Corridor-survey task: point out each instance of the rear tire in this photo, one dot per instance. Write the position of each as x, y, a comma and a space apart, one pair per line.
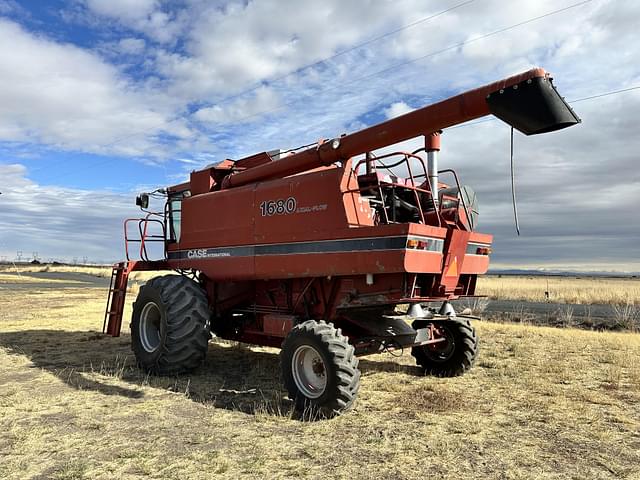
170, 325
320, 369
453, 357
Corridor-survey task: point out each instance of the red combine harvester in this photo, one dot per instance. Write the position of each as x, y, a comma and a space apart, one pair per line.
312, 250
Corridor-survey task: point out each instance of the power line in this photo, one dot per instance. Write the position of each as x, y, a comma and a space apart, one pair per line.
395, 66
414, 60
348, 50
613, 92
296, 71
423, 57
286, 75
493, 119
379, 72
471, 40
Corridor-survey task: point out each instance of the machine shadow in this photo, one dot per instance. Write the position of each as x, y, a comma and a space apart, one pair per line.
233, 377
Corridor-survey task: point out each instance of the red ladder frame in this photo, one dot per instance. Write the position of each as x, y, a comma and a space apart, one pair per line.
118, 291
115, 299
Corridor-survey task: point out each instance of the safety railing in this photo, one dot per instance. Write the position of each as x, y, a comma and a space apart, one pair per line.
143, 235
459, 198
376, 163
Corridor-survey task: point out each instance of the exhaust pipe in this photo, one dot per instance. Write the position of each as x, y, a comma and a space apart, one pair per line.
432, 147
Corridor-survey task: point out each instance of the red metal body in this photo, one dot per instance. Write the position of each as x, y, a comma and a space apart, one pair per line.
331, 232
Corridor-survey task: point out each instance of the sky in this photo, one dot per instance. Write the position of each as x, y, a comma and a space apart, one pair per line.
102, 99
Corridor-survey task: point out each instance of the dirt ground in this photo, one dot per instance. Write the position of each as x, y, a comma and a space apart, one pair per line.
540, 403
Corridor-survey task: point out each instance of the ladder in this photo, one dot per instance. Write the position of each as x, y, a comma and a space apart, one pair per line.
115, 299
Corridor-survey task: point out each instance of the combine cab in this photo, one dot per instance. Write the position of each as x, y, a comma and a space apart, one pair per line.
313, 251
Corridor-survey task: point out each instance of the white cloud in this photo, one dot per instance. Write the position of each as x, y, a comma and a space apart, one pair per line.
396, 109
132, 46
59, 222
70, 98
123, 9
230, 48
242, 109
14, 175
145, 16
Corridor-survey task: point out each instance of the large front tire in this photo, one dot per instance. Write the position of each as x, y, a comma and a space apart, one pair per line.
320, 369
170, 325
455, 355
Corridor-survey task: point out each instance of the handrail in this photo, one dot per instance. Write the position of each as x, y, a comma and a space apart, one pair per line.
144, 236
460, 196
151, 238
405, 159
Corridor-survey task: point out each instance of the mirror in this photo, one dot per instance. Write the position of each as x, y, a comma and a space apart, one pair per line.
142, 201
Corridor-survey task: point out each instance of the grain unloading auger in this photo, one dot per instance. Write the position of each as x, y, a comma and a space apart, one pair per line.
313, 250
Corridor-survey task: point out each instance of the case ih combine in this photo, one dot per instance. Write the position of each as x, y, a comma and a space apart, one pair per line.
313, 250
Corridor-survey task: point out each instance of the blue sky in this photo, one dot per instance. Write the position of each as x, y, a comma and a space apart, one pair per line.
101, 99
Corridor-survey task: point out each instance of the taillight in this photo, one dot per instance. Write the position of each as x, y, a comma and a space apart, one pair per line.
418, 244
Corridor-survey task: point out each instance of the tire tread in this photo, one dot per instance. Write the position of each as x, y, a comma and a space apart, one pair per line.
345, 364
187, 334
467, 347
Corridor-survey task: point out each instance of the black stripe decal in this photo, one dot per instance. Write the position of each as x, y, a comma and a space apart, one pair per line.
328, 246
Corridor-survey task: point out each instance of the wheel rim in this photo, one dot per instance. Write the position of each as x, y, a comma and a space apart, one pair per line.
442, 351
309, 371
150, 327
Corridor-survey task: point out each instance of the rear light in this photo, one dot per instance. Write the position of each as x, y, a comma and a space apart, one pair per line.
412, 243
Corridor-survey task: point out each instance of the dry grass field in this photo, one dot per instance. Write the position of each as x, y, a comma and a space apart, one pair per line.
10, 271
577, 290
556, 289
540, 403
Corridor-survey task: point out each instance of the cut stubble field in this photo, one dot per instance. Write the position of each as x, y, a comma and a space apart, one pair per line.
540, 403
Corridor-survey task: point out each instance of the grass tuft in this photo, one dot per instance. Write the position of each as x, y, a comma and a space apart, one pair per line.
627, 315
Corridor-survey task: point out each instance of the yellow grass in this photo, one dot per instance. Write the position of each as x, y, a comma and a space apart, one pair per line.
13, 278
587, 290
98, 271
561, 289
9, 271
541, 403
